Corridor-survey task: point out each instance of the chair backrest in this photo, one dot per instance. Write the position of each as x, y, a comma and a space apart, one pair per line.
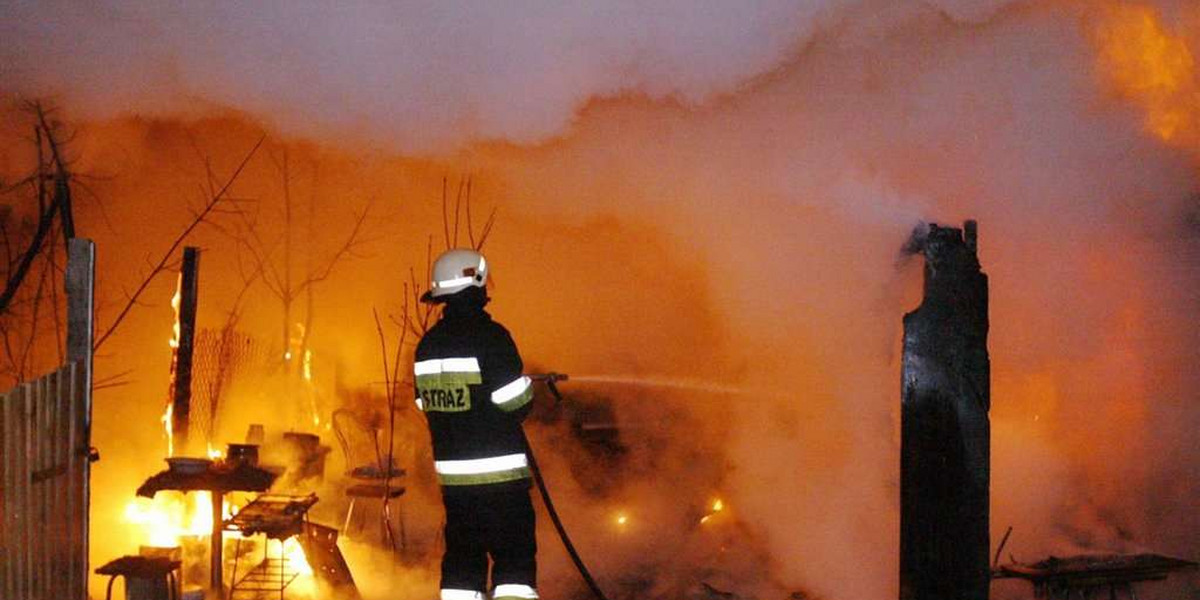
359, 441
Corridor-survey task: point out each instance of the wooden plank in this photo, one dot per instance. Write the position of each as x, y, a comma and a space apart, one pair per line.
37, 491
49, 484
25, 528
79, 470
62, 434
73, 488
42, 401
18, 467
6, 506
12, 448
54, 485
11, 404
62, 438
80, 288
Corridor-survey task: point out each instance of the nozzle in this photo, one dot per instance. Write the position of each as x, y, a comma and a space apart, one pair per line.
551, 378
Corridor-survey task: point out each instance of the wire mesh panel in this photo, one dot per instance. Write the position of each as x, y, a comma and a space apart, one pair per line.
219, 357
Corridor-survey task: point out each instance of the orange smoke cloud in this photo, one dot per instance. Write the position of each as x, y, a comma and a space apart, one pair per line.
1150, 63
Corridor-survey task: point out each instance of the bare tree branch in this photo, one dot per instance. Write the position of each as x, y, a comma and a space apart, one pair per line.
14, 281
470, 227
213, 201
487, 229
62, 177
346, 249
458, 208
445, 219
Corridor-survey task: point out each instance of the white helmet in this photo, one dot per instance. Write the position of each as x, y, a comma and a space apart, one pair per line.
456, 270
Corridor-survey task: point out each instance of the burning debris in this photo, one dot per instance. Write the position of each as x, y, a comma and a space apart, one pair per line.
1085, 574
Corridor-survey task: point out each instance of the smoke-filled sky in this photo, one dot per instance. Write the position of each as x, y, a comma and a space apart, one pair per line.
712, 192
413, 75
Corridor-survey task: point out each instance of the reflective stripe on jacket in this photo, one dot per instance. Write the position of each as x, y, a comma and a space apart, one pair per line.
469, 383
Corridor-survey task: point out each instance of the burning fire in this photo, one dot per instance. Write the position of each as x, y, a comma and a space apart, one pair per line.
1150, 64
168, 414
166, 419
168, 518
294, 554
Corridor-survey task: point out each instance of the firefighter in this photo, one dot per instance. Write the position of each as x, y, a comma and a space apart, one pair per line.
469, 384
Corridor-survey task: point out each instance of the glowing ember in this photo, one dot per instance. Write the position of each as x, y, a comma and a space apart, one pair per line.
717, 506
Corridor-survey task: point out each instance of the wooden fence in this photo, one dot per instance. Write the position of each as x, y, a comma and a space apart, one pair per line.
44, 454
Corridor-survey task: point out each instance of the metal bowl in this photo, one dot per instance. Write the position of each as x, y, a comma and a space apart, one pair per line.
188, 466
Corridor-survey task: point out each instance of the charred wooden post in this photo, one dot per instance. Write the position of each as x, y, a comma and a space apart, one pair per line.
945, 433
80, 286
181, 394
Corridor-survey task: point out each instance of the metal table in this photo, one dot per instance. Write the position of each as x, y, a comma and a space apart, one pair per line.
219, 479
278, 517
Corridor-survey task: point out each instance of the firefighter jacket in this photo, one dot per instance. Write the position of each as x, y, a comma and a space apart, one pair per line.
469, 383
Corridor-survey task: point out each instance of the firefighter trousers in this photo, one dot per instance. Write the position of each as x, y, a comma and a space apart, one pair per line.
490, 521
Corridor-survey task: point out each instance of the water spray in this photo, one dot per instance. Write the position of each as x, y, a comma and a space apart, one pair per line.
690, 385
551, 380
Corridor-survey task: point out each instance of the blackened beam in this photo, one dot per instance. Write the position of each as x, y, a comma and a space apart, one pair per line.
945, 431
182, 394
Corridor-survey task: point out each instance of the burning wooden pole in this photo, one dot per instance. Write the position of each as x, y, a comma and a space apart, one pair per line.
945, 432
181, 369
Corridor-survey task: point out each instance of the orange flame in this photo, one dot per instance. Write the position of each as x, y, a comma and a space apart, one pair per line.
168, 414
167, 519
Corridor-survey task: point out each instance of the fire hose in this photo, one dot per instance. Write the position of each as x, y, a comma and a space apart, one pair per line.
551, 380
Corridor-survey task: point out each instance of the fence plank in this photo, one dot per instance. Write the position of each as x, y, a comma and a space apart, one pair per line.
25, 499
76, 570
46, 403
45, 396
12, 446
81, 415
6, 505
61, 443
41, 403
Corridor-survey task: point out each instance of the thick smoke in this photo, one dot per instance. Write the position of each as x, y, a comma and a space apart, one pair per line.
408, 75
718, 193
